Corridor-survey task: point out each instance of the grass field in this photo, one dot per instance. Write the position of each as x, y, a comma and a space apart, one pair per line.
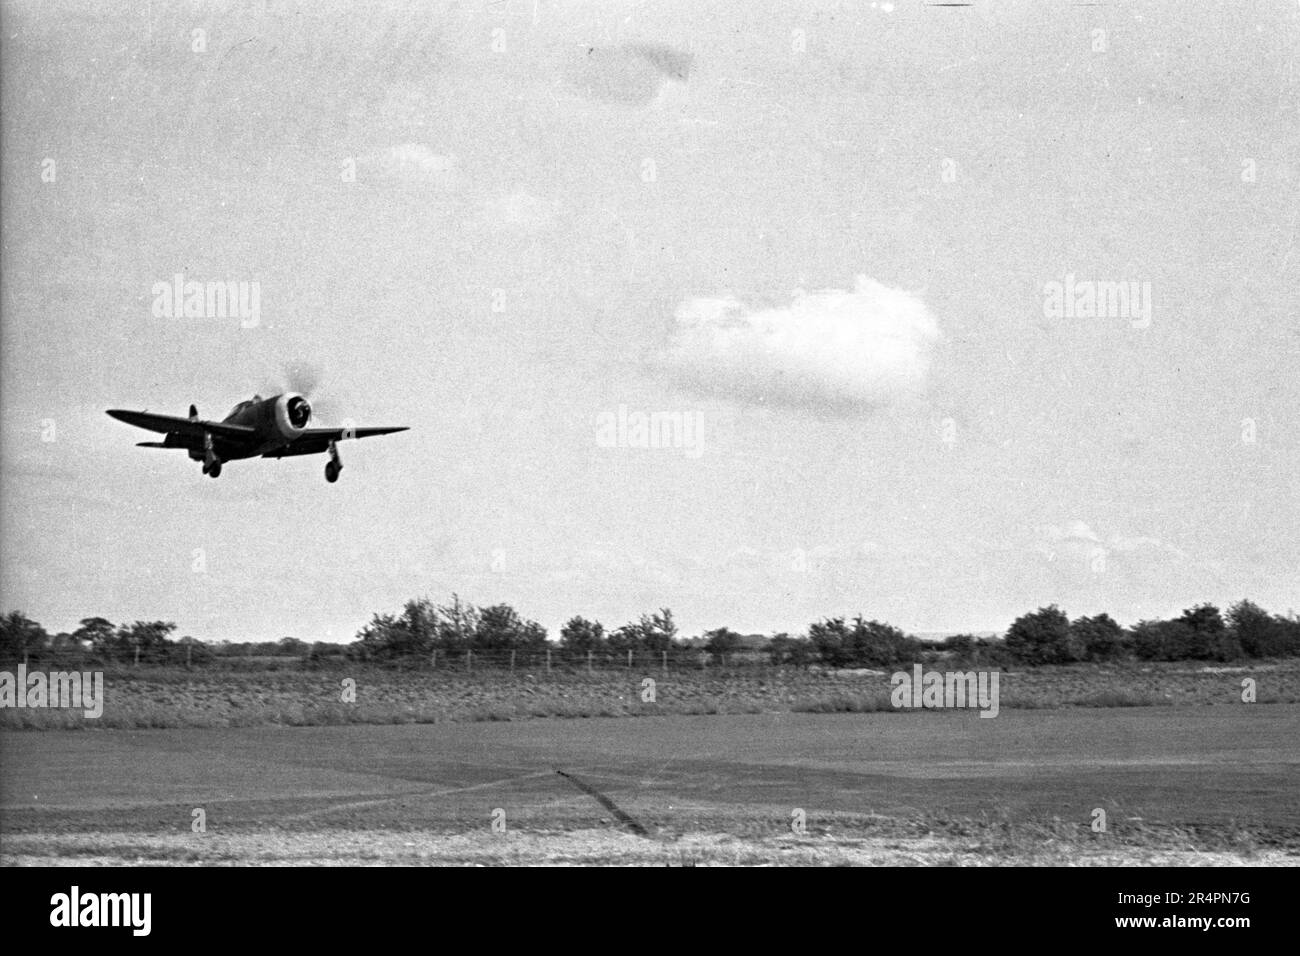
162, 698
1178, 785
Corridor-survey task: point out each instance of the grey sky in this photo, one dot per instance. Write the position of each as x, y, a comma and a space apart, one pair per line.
642, 206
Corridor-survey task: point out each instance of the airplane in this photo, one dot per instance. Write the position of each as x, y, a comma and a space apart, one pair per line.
274, 427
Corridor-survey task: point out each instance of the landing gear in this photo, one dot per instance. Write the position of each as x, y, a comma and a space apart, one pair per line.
211, 463
334, 465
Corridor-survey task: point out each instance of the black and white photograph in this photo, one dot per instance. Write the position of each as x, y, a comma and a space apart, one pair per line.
650, 433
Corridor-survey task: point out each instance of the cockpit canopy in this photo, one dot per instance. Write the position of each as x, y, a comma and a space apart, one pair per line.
243, 405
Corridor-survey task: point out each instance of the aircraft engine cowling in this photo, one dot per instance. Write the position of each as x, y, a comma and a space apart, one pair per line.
292, 413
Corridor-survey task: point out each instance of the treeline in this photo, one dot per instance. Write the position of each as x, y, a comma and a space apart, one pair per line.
1044, 636
1200, 633
424, 633
100, 641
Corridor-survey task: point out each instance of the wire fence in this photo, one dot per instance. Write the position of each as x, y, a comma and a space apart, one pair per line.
535, 661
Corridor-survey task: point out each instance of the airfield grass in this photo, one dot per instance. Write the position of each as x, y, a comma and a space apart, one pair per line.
842, 842
142, 698
1180, 786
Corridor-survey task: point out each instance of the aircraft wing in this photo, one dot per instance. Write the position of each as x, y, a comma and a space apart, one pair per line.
315, 441
190, 428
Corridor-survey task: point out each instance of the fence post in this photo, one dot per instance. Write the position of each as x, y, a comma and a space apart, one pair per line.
665, 663
589, 663
548, 660
433, 661
629, 658
469, 660
512, 660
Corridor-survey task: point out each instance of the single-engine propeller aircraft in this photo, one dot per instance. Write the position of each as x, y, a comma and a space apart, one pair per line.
273, 427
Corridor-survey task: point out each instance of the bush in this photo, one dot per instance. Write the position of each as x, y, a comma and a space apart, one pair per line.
795, 651
1044, 637
579, 637
721, 644
1100, 638
960, 648
1260, 634
1198, 635
863, 644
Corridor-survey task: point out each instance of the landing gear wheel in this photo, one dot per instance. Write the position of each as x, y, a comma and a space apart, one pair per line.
214, 470
331, 472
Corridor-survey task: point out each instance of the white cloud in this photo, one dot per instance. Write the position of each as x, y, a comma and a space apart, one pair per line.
1076, 540
632, 75
520, 212
414, 163
860, 348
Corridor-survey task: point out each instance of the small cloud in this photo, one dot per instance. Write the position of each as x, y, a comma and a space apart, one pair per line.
414, 163
1145, 544
632, 75
1076, 540
1074, 531
831, 349
520, 213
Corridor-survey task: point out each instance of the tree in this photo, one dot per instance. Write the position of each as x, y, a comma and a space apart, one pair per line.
960, 647
1259, 633
1100, 637
457, 624
193, 651
1043, 637
654, 633
287, 647
862, 644
146, 640
784, 649
377, 639
1289, 642
1161, 640
1198, 634
19, 636
500, 628
876, 644
830, 638
420, 619
1210, 637
579, 636
721, 643
658, 631
101, 633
